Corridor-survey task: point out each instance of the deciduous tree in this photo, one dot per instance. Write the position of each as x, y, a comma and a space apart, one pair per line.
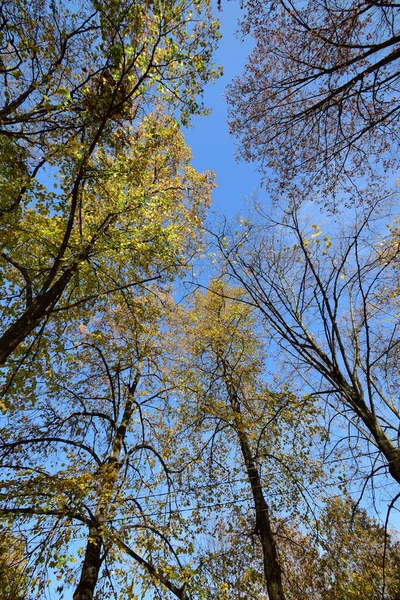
326, 297
84, 478
240, 430
78, 161
318, 101
348, 556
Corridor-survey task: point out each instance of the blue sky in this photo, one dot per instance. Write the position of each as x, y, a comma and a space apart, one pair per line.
213, 148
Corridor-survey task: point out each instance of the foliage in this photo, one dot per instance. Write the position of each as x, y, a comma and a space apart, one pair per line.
80, 158
350, 558
77, 73
318, 102
154, 449
85, 479
138, 221
13, 578
241, 434
345, 555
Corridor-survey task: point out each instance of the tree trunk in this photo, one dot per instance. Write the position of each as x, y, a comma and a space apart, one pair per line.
383, 442
33, 315
91, 567
92, 563
272, 568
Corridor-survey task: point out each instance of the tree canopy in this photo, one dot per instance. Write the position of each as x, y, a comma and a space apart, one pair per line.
318, 102
78, 82
189, 409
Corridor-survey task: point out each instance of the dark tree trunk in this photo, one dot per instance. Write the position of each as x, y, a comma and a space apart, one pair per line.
272, 568
33, 315
355, 397
91, 567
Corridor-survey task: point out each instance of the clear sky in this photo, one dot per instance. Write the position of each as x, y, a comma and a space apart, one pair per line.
213, 148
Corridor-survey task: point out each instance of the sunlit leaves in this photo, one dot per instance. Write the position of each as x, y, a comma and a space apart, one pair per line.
77, 106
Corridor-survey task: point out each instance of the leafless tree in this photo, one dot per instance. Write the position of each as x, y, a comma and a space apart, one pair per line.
329, 299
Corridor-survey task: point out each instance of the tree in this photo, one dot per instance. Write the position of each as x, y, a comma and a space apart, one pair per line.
318, 102
13, 578
350, 557
236, 420
84, 478
84, 72
77, 442
78, 81
138, 219
345, 555
327, 300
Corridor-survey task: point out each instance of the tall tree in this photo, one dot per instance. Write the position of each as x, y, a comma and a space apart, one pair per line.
84, 477
77, 82
239, 420
319, 99
327, 299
